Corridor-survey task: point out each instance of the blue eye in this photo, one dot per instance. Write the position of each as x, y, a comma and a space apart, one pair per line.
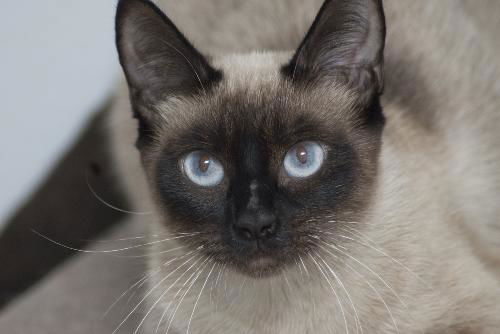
304, 159
203, 169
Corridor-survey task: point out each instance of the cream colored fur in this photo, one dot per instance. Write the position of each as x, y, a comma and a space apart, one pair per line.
437, 208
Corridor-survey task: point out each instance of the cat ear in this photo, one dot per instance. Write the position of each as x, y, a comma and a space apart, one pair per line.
157, 59
345, 44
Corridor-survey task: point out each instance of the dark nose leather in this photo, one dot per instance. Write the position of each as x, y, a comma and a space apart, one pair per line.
255, 226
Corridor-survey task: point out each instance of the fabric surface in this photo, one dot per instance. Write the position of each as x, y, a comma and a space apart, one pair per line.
75, 298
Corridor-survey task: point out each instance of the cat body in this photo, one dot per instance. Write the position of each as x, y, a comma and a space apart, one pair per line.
423, 256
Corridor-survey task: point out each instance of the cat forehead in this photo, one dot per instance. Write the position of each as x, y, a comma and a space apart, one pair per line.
252, 70
253, 91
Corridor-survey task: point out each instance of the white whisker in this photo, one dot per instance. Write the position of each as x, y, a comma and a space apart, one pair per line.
200, 271
142, 237
378, 295
100, 199
380, 251
286, 280
162, 295
188, 281
105, 251
370, 270
334, 292
145, 277
304, 266
358, 322
198, 299
151, 254
152, 289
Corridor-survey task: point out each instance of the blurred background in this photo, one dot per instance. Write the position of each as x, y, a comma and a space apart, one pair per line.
57, 65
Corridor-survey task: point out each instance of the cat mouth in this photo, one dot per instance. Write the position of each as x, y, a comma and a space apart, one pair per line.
260, 265
259, 259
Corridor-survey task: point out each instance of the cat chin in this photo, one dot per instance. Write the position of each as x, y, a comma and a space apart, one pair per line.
260, 267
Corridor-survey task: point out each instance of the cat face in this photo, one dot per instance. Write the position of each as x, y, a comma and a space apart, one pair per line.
259, 157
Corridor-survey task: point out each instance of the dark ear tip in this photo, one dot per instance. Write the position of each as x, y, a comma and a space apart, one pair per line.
122, 4
126, 11
128, 2
133, 8
129, 5
123, 7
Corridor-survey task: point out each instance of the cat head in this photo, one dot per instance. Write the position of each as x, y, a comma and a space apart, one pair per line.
258, 156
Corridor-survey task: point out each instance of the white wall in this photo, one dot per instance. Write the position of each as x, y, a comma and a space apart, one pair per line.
57, 63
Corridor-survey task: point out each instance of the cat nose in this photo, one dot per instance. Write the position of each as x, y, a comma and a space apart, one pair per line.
260, 226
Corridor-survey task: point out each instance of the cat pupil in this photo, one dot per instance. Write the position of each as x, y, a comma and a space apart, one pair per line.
301, 154
204, 164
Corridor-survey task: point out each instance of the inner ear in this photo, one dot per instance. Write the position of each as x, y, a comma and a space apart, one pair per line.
344, 45
157, 59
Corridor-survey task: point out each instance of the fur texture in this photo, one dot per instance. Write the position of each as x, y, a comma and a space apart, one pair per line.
423, 258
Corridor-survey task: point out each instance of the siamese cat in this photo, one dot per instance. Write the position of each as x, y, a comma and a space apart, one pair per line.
312, 167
